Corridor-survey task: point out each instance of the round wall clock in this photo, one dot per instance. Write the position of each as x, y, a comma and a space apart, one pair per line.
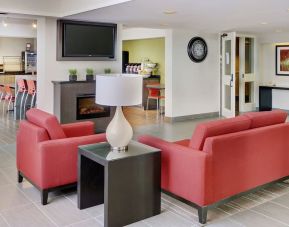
197, 49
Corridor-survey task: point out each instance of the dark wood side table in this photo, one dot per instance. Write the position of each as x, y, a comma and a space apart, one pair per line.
127, 183
265, 96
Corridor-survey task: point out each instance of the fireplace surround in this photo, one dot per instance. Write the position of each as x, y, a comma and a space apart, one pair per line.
65, 103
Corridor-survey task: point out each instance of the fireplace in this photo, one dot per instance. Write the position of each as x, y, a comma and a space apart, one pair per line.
86, 108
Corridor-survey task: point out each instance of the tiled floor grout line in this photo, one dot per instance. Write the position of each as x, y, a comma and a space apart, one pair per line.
46, 215
98, 221
70, 200
34, 203
4, 219
175, 211
272, 193
283, 223
180, 207
236, 207
279, 204
192, 222
79, 222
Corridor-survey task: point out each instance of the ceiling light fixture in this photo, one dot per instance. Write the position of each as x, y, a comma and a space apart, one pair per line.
34, 25
169, 12
264, 23
4, 24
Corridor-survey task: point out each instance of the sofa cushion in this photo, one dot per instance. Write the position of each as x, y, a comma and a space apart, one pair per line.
46, 121
266, 118
216, 128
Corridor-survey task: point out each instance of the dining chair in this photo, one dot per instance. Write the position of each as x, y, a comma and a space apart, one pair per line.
21, 92
31, 93
153, 93
9, 97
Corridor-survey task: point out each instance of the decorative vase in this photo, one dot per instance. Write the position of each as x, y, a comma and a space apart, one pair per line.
89, 77
72, 77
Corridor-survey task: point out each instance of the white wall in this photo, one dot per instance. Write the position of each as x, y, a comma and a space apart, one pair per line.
51, 70
13, 46
18, 30
267, 44
195, 87
142, 33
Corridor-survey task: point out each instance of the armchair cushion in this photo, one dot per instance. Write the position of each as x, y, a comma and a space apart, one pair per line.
216, 128
266, 118
46, 121
84, 128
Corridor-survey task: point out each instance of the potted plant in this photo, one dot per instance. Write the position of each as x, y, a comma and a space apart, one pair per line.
89, 74
72, 74
107, 71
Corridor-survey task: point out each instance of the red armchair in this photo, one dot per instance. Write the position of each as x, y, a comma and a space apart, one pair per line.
225, 158
47, 151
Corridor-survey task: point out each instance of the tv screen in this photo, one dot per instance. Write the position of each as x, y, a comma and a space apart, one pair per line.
87, 40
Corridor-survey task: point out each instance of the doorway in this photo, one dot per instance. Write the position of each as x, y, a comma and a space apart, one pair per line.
238, 74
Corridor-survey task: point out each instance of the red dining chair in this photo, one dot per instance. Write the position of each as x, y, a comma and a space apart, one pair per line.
154, 93
31, 92
9, 97
21, 92
2, 93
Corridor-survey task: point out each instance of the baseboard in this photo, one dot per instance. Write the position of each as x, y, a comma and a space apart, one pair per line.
192, 117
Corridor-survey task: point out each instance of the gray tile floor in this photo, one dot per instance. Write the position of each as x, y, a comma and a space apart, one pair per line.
20, 203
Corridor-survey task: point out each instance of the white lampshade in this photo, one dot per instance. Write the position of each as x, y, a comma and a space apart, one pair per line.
118, 89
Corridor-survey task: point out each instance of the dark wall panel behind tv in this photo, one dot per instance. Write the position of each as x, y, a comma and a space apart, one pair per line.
82, 41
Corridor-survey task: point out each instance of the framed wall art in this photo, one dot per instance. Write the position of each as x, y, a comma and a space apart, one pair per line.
282, 60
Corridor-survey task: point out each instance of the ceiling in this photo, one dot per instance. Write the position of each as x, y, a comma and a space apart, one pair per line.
53, 8
210, 16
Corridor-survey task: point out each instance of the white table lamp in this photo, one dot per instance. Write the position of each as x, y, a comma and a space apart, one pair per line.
118, 90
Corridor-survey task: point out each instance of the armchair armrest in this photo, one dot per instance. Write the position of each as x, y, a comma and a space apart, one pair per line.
60, 156
184, 170
84, 128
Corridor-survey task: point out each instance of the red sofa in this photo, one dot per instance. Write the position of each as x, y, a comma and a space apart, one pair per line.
47, 151
225, 158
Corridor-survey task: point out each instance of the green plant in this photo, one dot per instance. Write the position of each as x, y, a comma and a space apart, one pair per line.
72, 72
107, 71
89, 71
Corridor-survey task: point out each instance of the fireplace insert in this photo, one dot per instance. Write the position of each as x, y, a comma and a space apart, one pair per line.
86, 108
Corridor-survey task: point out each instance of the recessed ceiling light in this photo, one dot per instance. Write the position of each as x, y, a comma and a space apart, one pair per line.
4, 24
169, 12
34, 25
264, 23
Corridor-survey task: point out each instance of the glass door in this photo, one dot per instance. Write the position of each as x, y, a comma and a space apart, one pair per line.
228, 74
247, 74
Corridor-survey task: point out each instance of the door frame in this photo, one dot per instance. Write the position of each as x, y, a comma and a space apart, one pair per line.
228, 80
240, 35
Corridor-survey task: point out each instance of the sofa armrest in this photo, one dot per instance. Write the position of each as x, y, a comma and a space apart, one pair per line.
184, 170
84, 128
58, 159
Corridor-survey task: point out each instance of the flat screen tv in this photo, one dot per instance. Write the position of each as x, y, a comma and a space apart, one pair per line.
86, 41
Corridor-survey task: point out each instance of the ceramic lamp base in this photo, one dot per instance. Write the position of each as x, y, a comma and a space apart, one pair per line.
119, 131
